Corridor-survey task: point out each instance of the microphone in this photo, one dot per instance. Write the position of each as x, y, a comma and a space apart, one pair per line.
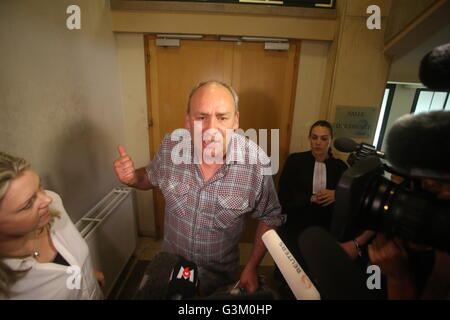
361, 150
334, 274
156, 284
417, 145
183, 281
434, 71
344, 144
296, 278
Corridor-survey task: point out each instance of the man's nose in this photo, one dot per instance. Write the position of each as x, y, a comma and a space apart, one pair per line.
210, 123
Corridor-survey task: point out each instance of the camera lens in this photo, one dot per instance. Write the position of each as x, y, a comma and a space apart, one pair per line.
396, 210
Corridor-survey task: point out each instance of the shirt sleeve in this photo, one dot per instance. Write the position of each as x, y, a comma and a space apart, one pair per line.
268, 209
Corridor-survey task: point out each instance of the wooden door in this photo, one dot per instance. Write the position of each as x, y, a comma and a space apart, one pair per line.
264, 81
172, 72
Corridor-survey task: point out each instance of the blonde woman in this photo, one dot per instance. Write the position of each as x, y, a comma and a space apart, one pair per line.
42, 255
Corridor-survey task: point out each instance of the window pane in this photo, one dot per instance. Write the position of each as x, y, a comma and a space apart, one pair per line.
381, 117
438, 101
424, 102
447, 106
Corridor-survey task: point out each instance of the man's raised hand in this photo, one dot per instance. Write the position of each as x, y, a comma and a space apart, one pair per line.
124, 168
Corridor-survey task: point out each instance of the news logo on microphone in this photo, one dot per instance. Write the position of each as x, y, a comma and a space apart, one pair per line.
183, 281
186, 273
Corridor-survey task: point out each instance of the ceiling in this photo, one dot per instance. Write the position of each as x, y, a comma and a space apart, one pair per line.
406, 68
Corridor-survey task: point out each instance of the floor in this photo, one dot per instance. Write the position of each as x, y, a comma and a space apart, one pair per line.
147, 248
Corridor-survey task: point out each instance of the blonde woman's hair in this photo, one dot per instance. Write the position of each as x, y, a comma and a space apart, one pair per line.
10, 168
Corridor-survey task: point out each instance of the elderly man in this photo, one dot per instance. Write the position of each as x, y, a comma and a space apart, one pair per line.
208, 198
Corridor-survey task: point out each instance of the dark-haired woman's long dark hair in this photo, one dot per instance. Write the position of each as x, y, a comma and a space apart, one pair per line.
326, 124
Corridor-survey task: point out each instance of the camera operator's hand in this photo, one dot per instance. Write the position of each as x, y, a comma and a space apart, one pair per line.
391, 256
350, 249
323, 197
353, 248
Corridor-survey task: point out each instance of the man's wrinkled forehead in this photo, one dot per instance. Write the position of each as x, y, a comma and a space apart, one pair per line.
211, 92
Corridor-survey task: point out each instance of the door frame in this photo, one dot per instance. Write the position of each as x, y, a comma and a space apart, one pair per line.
153, 112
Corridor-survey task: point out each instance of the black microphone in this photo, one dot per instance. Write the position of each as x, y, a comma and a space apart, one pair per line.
345, 144
434, 71
359, 150
183, 281
417, 145
335, 276
155, 283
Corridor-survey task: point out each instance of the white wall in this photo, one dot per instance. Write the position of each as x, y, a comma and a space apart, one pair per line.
310, 83
60, 101
130, 49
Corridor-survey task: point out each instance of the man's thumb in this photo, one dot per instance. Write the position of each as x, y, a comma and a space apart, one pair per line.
121, 150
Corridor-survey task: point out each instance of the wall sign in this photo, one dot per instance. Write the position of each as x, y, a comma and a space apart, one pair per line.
355, 122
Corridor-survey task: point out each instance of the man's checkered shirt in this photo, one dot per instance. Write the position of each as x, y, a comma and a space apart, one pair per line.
204, 220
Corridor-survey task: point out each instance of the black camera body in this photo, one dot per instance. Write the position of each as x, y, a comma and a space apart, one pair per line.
417, 148
366, 200
364, 150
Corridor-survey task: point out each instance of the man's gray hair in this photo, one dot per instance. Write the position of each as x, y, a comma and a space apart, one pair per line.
220, 83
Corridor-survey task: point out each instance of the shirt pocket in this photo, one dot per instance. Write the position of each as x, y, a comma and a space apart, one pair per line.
176, 196
231, 210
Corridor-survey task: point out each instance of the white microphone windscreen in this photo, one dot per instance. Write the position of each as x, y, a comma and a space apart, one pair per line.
296, 278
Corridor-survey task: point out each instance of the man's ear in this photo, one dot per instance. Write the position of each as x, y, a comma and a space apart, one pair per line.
236, 121
187, 122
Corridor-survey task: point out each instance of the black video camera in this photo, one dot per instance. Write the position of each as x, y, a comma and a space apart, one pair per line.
417, 149
367, 200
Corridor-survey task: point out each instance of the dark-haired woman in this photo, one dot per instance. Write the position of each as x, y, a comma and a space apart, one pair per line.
308, 182
307, 191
